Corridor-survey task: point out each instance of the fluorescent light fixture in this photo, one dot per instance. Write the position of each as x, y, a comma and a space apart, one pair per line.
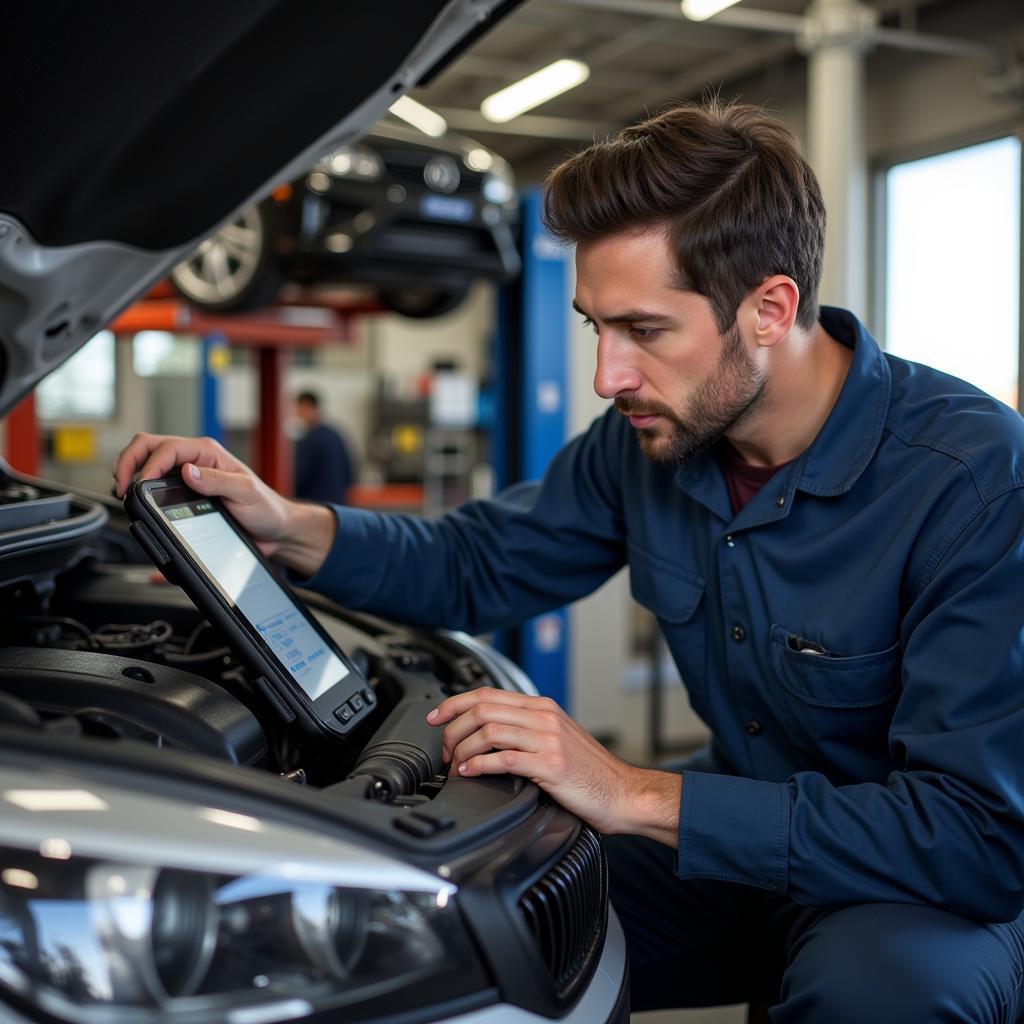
19, 877
701, 10
534, 90
419, 116
55, 849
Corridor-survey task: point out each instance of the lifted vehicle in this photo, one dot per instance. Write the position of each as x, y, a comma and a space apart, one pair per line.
418, 220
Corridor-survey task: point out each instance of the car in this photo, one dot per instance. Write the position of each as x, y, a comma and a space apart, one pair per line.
416, 218
171, 848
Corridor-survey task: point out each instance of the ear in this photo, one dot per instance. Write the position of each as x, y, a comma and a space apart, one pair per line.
776, 301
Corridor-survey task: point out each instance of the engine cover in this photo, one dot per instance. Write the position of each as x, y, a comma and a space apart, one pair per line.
134, 699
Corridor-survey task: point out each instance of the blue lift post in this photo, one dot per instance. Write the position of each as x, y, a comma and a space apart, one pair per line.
543, 353
216, 357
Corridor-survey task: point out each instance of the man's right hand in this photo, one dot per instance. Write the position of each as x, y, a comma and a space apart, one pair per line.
298, 534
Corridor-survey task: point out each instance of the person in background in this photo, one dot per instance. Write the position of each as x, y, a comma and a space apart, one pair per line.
323, 465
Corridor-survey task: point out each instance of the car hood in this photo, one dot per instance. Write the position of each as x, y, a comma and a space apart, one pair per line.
132, 131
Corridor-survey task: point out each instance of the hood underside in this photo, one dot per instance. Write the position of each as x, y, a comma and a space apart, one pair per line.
132, 131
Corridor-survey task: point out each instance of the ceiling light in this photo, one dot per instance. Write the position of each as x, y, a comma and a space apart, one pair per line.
419, 116
55, 849
533, 90
20, 877
701, 10
339, 241
478, 159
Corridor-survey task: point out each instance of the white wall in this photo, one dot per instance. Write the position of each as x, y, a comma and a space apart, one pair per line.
408, 347
133, 411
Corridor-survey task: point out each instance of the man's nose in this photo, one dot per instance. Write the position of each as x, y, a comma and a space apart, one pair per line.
615, 372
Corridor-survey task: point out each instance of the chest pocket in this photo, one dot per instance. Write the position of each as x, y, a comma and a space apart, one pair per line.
838, 709
676, 597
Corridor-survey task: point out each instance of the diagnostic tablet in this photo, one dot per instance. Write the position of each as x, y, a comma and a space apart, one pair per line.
197, 544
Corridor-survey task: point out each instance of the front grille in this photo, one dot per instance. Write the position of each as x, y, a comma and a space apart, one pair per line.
406, 237
566, 911
407, 166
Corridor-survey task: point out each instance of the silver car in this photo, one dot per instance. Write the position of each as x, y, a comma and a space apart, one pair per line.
170, 850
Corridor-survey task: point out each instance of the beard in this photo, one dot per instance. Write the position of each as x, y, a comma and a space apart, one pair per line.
724, 398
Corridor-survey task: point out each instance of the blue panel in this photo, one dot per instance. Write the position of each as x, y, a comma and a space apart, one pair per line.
504, 377
216, 357
502, 353
545, 345
544, 352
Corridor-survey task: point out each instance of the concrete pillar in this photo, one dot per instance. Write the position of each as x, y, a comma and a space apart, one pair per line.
835, 39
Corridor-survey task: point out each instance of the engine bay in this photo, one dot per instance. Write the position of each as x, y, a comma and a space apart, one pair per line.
107, 668
95, 643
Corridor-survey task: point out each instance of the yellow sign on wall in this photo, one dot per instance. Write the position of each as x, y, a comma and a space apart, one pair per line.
75, 444
407, 439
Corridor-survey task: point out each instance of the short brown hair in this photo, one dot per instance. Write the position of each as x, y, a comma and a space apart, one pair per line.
728, 181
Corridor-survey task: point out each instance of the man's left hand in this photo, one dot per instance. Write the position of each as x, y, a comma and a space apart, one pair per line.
494, 732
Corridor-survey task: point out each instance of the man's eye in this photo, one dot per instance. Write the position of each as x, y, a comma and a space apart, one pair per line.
644, 333
587, 322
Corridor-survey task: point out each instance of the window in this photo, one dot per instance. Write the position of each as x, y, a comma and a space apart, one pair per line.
953, 264
83, 388
160, 354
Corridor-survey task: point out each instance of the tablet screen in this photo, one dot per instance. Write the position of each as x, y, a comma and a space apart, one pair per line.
257, 596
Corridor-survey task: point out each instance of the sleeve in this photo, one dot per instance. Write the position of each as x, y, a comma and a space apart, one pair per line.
947, 830
488, 564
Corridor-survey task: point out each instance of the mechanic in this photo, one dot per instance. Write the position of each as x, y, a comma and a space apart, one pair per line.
831, 540
323, 465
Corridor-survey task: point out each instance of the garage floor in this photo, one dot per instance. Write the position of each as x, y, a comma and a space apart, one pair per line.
718, 1015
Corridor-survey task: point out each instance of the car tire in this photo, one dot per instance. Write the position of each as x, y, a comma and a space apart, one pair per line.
424, 301
234, 268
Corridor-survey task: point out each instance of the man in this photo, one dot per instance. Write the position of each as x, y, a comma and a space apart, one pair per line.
831, 539
323, 467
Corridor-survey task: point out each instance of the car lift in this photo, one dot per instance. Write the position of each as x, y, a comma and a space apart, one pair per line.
303, 319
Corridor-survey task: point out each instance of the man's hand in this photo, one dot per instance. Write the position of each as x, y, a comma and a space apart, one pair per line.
493, 732
300, 535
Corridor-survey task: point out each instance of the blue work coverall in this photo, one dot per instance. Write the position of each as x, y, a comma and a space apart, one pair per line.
854, 639
323, 465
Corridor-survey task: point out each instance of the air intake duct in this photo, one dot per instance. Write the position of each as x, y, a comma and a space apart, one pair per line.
405, 752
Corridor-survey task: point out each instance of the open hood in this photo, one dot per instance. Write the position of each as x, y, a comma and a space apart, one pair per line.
131, 131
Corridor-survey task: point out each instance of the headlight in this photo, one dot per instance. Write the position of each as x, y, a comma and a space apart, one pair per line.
87, 938
499, 185
78, 937
359, 162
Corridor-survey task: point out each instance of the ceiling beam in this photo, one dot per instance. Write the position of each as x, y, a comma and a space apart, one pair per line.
652, 92
649, 8
637, 36
712, 34
708, 75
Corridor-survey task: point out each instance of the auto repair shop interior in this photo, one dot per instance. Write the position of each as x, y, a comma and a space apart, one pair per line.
403, 281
